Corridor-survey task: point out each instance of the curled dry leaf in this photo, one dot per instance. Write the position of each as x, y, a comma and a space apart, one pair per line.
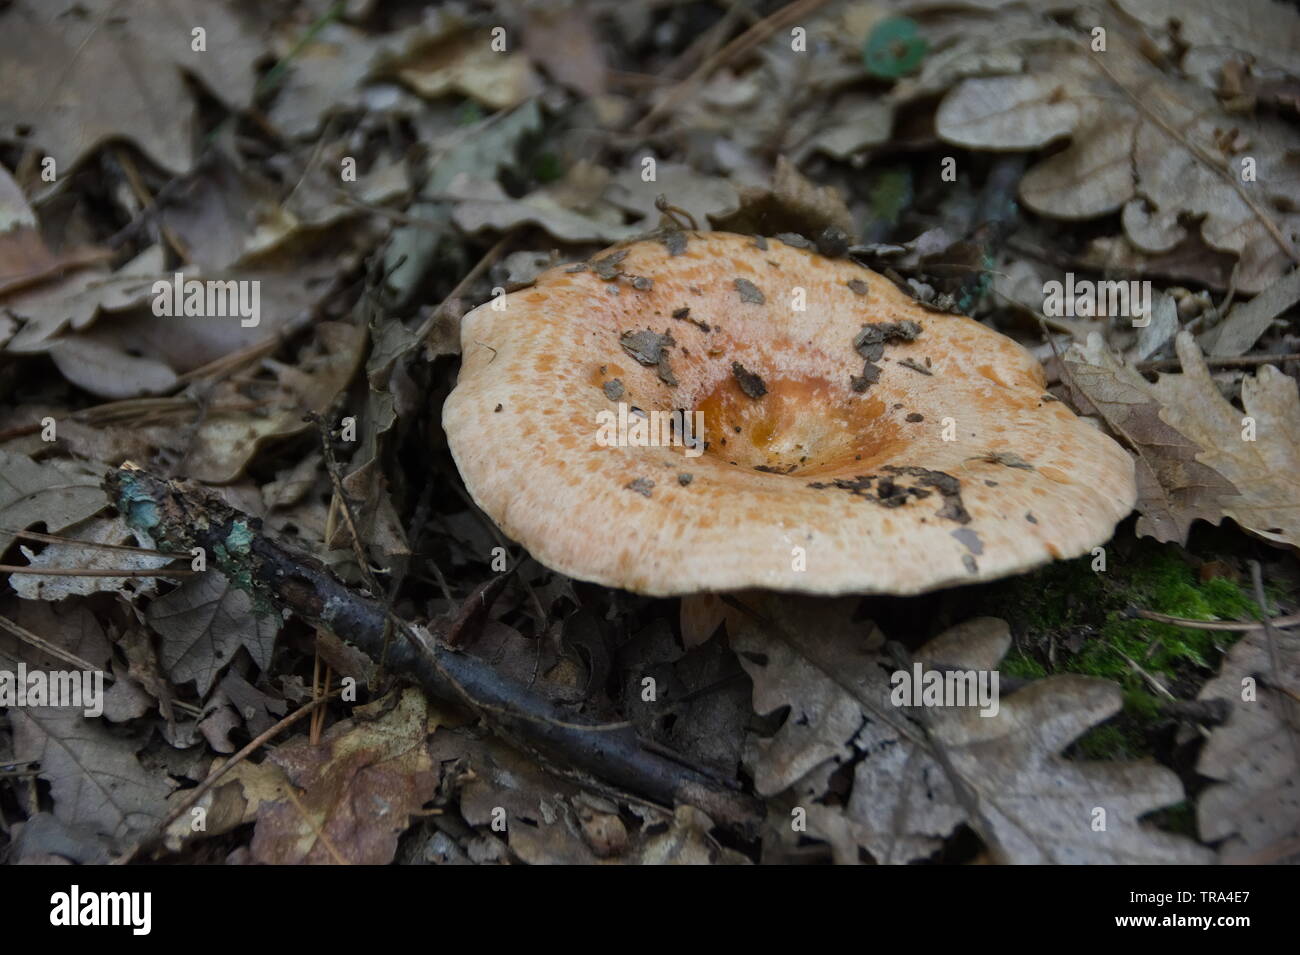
466, 63
1254, 807
1259, 452
94, 775
357, 788
111, 70
1175, 487
247, 413
75, 302
495, 210
231, 803
99, 530
553, 821
25, 259
57, 494
1198, 456
1159, 156
792, 204
1028, 803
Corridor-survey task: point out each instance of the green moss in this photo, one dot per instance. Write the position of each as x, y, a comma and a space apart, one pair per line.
1069, 618
1179, 818
890, 193
547, 167
1105, 742
469, 113
1020, 665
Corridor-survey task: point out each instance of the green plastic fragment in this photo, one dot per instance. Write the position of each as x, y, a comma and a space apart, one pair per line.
894, 48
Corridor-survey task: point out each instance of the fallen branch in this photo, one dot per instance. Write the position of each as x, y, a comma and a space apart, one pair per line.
181, 515
1281, 623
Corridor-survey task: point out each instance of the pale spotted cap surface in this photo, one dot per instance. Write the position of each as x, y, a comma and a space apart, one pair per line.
922, 453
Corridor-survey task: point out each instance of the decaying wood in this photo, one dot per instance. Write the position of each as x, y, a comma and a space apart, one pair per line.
181, 516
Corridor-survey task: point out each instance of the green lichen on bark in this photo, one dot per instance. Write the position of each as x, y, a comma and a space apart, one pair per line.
182, 519
136, 504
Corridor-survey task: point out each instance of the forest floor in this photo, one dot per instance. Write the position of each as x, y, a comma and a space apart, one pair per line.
365, 173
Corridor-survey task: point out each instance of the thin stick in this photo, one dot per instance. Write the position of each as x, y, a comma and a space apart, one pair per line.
1196, 150
1155, 684
316, 829
1236, 626
202, 788
751, 38
472, 275
147, 201
1245, 361
40, 643
572, 745
1288, 706
95, 572
94, 545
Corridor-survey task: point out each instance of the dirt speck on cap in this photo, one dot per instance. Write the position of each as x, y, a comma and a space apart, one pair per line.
646, 347
683, 314
613, 389
643, 486
871, 340
608, 267
795, 241
1006, 459
749, 292
674, 241
750, 383
945, 484
833, 242
870, 375
857, 286
969, 539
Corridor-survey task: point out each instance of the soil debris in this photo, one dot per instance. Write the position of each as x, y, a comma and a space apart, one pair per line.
750, 383
749, 292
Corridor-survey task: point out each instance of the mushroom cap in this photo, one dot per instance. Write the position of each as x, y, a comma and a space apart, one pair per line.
920, 481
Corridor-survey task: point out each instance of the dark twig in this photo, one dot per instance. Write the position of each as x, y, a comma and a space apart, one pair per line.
1244, 361
1287, 706
182, 515
1238, 626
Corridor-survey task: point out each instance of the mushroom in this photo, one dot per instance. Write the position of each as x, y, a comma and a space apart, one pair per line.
854, 441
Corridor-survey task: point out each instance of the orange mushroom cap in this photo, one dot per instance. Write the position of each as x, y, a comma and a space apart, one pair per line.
855, 442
